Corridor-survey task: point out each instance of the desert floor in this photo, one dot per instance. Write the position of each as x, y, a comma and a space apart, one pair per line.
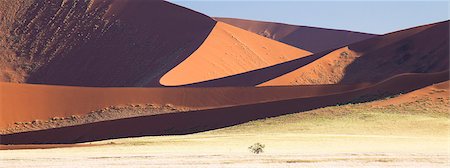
412, 134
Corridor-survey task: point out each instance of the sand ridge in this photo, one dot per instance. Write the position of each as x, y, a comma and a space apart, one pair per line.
46, 101
207, 119
312, 39
438, 92
229, 50
381, 57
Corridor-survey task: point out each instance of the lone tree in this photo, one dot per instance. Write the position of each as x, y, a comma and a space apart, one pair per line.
257, 148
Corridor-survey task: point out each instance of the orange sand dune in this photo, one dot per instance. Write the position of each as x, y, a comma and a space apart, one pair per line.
436, 92
312, 39
229, 50
378, 58
126, 43
97, 42
202, 120
26, 102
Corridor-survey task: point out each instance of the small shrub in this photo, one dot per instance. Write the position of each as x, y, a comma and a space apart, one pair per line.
257, 148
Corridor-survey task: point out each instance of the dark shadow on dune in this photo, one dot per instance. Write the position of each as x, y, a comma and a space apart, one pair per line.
122, 43
415, 50
255, 77
203, 120
313, 39
317, 40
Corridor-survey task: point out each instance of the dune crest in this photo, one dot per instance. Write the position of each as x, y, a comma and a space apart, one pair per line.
48, 101
229, 50
312, 39
213, 118
437, 92
376, 59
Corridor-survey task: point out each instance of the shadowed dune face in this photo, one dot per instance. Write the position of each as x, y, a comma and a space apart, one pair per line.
96, 42
202, 120
229, 50
44, 102
423, 49
308, 38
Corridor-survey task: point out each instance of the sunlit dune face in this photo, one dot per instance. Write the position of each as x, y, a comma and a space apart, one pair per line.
229, 50
329, 69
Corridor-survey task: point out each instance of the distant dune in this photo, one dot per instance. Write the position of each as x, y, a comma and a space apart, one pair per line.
312, 39
422, 49
229, 50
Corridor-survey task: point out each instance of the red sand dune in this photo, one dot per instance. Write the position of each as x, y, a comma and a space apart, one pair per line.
127, 43
422, 49
201, 120
44, 101
98, 42
154, 43
312, 39
436, 92
229, 50
258, 76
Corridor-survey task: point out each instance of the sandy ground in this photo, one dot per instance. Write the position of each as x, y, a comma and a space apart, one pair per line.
283, 150
412, 134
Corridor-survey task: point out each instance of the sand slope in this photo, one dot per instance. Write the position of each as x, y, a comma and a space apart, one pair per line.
376, 59
45, 101
435, 93
201, 120
126, 43
96, 42
312, 39
229, 50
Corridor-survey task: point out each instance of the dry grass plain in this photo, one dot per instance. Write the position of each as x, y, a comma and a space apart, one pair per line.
410, 134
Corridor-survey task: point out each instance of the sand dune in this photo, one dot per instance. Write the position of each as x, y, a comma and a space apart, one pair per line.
312, 39
258, 76
126, 43
229, 50
382, 57
129, 49
201, 120
437, 92
44, 101
97, 42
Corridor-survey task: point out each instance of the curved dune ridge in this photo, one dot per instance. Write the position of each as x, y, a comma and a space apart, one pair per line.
436, 92
202, 120
96, 42
229, 50
46, 101
312, 39
372, 60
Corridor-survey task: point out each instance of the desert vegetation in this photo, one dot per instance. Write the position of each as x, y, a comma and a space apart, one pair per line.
257, 148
